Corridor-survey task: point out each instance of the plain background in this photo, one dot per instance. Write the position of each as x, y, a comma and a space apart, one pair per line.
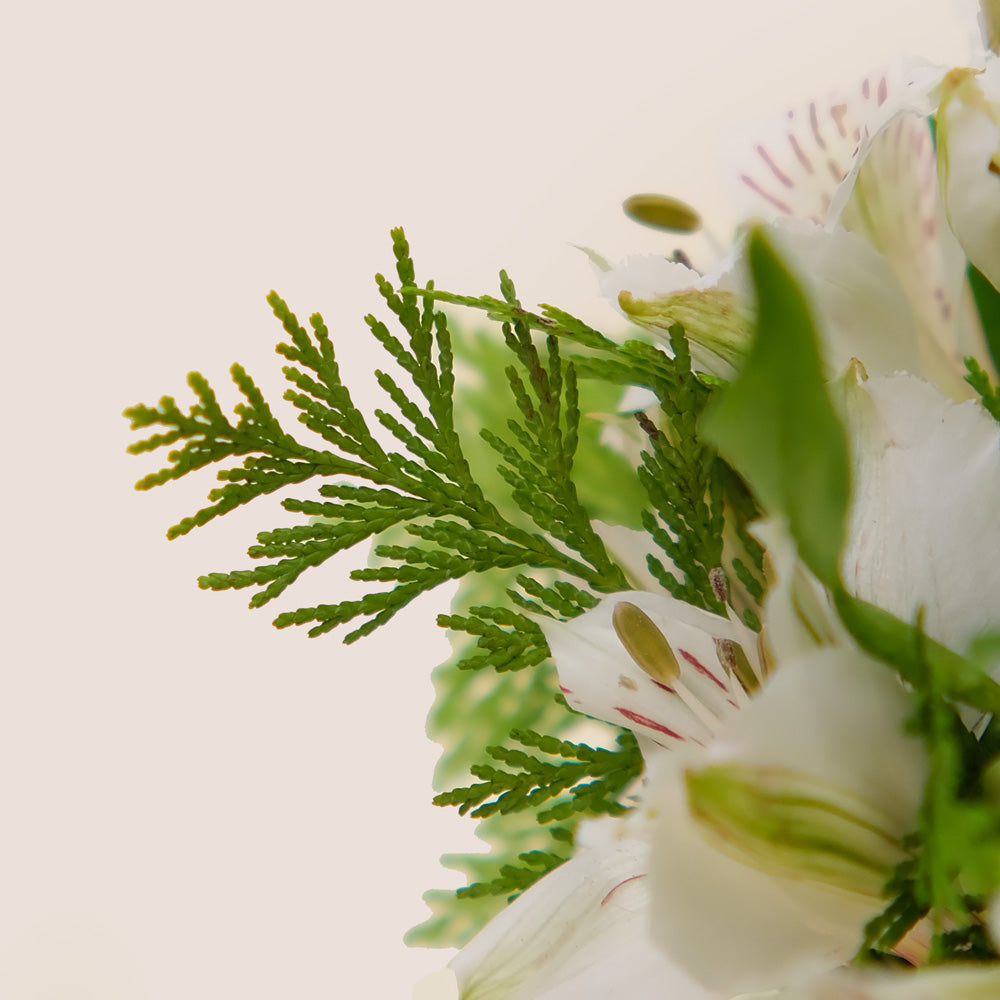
191, 803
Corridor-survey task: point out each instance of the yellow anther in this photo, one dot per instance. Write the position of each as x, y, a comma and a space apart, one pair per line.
735, 662
660, 211
645, 643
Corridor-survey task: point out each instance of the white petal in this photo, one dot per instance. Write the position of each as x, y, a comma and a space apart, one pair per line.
924, 529
798, 617
860, 308
440, 985
601, 679
840, 716
892, 200
648, 276
834, 714
968, 158
654, 293
578, 934
792, 165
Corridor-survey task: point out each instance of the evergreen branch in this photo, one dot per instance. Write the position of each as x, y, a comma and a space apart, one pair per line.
989, 394
427, 486
593, 777
512, 880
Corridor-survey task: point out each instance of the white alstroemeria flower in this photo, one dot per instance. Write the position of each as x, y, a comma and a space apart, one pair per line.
851, 187
670, 672
884, 190
790, 166
791, 906
580, 933
891, 198
785, 888
923, 529
771, 848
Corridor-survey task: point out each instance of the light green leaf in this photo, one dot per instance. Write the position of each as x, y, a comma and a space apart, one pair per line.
776, 425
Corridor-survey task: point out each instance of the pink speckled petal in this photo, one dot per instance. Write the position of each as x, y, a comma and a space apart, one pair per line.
601, 679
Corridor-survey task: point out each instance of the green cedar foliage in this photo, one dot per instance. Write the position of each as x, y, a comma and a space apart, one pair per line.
428, 487
989, 394
516, 529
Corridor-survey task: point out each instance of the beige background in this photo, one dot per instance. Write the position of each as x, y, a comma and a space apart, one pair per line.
192, 804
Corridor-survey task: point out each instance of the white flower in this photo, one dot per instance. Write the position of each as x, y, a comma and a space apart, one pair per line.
580, 933
851, 191
652, 664
828, 727
766, 896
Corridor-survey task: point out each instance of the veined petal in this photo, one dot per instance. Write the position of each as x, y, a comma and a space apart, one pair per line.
835, 715
679, 691
578, 934
792, 165
923, 529
892, 198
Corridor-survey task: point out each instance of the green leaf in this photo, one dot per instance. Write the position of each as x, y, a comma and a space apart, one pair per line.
988, 304
776, 425
896, 642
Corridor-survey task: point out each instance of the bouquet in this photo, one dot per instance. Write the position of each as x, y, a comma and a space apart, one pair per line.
727, 623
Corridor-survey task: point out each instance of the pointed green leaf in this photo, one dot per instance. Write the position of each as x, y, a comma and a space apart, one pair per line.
775, 424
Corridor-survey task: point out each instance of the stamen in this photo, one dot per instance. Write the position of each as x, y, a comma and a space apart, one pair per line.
660, 211
649, 648
735, 662
720, 584
645, 643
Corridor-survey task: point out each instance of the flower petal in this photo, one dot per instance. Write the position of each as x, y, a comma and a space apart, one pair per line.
923, 530
792, 165
577, 934
969, 161
834, 714
861, 310
602, 679
892, 199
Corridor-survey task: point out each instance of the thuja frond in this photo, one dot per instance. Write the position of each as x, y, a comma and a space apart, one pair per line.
681, 475
453, 920
512, 879
582, 779
980, 381
566, 781
427, 487
493, 625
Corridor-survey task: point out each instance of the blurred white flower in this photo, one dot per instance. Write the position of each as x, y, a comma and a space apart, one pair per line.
580, 933
769, 852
